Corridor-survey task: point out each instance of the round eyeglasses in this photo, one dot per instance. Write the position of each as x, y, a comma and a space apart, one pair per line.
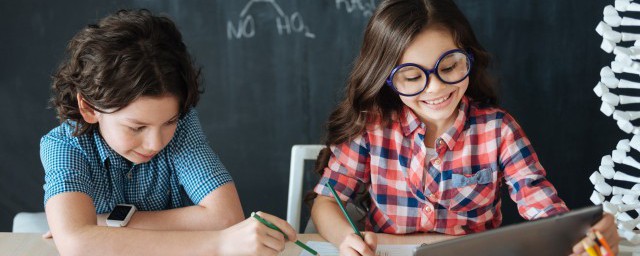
410, 79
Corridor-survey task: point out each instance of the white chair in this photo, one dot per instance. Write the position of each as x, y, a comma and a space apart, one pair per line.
30, 222
299, 153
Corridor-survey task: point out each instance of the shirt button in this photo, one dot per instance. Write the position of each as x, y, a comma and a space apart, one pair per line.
129, 175
440, 142
428, 209
437, 162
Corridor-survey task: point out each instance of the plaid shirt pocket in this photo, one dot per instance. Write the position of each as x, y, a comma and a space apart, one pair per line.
470, 191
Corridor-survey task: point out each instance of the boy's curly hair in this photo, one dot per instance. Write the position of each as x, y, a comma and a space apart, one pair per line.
126, 55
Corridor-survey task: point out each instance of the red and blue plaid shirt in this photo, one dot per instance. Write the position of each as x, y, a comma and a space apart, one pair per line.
457, 192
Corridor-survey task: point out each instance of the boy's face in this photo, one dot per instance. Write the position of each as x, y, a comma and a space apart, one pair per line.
429, 106
139, 131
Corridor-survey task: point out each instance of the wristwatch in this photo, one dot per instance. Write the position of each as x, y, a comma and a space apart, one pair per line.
121, 215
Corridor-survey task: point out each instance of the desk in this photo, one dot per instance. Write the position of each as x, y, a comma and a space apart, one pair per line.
26, 244
34, 244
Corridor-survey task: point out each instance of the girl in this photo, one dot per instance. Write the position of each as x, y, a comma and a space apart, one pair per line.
125, 96
420, 130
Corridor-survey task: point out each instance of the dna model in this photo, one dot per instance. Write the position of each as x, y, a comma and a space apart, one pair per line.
611, 180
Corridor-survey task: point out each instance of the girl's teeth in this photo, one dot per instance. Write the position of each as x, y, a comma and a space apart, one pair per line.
439, 101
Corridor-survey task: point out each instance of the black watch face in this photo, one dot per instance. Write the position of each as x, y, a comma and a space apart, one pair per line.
119, 213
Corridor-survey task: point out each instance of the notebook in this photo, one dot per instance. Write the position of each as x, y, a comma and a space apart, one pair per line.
327, 249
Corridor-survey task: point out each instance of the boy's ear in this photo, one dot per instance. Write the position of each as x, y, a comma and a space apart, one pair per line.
89, 114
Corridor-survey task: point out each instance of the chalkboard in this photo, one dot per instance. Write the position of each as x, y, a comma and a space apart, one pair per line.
274, 70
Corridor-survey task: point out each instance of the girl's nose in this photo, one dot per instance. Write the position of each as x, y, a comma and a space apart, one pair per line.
434, 85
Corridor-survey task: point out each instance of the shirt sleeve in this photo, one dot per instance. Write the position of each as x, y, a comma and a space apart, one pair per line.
66, 168
199, 169
348, 169
528, 187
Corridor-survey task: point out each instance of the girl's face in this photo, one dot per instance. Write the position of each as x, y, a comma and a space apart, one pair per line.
438, 103
139, 131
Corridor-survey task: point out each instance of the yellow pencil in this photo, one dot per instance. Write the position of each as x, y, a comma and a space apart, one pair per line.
589, 249
597, 246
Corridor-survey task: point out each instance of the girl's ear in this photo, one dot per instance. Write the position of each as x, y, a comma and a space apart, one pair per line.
89, 114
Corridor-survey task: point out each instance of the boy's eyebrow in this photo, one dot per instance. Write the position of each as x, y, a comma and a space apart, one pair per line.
135, 121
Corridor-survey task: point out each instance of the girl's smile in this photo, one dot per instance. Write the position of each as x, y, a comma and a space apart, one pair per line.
438, 103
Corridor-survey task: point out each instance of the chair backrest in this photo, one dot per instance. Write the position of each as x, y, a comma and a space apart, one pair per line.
30, 222
299, 153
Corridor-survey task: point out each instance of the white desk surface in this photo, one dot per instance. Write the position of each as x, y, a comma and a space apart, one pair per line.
26, 244
34, 244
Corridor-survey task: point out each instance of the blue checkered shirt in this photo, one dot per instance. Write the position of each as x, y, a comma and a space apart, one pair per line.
181, 174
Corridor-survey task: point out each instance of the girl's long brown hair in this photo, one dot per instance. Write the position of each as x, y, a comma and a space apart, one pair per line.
126, 55
392, 27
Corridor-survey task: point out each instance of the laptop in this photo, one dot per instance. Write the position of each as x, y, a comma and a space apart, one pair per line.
550, 236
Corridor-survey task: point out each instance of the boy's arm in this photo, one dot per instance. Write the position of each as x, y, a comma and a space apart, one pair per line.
71, 217
218, 210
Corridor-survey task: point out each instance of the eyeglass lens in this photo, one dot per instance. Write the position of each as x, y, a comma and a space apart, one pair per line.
452, 68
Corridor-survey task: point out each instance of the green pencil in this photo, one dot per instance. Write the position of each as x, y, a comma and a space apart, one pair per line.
344, 211
274, 227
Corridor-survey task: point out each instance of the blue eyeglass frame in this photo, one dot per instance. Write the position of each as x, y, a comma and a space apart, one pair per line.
428, 72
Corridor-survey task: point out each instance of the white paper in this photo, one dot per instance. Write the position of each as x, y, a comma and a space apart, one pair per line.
327, 249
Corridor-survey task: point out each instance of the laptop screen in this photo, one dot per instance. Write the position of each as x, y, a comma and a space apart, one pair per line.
550, 236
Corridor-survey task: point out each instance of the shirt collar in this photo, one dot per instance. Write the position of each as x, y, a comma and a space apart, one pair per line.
106, 153
409, 122
451, 135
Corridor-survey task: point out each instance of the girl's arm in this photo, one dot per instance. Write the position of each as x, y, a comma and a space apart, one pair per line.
349, 166
535, 196
71, 216
218, 210
333, 226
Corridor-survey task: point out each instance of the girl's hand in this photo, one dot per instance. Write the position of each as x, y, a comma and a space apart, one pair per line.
354, 245
607, 227
250, 237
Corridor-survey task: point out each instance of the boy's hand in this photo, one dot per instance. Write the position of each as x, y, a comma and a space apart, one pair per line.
250, 237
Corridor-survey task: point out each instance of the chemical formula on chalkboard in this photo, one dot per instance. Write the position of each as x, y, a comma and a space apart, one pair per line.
285, 24
364, 6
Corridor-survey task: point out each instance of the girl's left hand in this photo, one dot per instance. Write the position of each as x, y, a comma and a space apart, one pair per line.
607, 227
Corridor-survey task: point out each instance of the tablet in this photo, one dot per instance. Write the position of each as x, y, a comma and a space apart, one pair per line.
549, 236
